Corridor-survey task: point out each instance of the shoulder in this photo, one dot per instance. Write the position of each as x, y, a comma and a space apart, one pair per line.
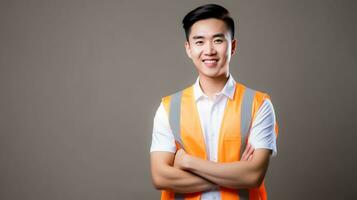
260, 100
258, 95
263, 109
167, 99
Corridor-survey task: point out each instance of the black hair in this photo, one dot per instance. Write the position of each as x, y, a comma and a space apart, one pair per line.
205, 12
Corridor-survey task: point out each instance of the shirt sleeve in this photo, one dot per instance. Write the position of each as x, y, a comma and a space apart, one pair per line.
262, 133
162, 137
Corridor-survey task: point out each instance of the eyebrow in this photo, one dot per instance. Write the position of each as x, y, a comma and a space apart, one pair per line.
196, 37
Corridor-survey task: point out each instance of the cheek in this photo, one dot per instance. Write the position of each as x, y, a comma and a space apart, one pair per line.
196, 53
224, 50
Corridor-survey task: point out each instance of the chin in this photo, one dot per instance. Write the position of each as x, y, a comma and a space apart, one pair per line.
213, 74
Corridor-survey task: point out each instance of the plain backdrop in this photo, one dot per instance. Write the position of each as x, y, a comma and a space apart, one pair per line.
80, 82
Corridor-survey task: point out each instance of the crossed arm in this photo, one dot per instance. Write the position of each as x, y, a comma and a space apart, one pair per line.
184, 173
167, 177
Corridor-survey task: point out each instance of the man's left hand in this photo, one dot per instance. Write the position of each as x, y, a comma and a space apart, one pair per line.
181, 159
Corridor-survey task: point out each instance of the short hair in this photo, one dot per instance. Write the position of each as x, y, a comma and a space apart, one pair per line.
205, 12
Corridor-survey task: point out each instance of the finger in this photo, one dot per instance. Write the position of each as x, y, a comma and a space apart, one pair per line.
182, 151
246, 152
251, 150
250, 157
247, 149
178, 151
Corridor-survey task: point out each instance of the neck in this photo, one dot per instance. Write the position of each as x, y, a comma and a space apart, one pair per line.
210, 86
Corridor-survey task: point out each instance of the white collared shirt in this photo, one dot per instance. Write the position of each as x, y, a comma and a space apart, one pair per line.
211, 112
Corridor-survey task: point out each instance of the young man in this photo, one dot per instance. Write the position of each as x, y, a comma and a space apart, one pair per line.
200, 132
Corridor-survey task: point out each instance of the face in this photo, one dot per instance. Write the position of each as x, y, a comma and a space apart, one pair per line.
210, 47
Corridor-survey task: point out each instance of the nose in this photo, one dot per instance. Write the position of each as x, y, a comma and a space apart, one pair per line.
209, 49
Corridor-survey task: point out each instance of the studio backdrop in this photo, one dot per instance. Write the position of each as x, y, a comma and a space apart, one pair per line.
80, 82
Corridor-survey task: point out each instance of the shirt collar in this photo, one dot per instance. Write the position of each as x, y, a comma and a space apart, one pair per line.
228, 90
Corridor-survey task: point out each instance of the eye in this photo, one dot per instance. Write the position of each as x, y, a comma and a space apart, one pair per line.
218, 41
199, 42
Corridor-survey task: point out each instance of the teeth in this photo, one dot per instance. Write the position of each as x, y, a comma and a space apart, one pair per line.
210, 61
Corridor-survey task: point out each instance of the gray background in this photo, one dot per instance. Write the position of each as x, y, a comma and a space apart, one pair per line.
80, 82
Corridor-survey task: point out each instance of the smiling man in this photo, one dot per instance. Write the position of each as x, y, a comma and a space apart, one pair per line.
212, 140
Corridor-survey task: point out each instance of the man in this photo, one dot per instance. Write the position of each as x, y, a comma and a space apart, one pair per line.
200, 132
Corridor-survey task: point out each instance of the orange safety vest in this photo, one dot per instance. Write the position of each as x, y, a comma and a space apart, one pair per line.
238, 115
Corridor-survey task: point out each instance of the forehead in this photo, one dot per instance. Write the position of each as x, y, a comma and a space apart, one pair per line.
208, 27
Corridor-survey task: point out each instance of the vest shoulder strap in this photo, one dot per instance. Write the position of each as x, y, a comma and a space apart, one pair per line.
175, 116
246, 116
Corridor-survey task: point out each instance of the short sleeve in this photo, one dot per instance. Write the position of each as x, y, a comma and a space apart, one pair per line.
162, 137
262, 133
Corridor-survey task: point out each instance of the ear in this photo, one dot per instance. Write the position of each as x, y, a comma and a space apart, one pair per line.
188, 49
234, 46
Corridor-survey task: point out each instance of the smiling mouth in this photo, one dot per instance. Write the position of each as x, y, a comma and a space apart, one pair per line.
210, 61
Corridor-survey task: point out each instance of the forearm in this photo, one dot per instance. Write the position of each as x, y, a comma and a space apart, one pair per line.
180, 181
244, 174
230, 175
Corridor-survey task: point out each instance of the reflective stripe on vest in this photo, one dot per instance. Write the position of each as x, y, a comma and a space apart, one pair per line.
175, 116
246, 118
